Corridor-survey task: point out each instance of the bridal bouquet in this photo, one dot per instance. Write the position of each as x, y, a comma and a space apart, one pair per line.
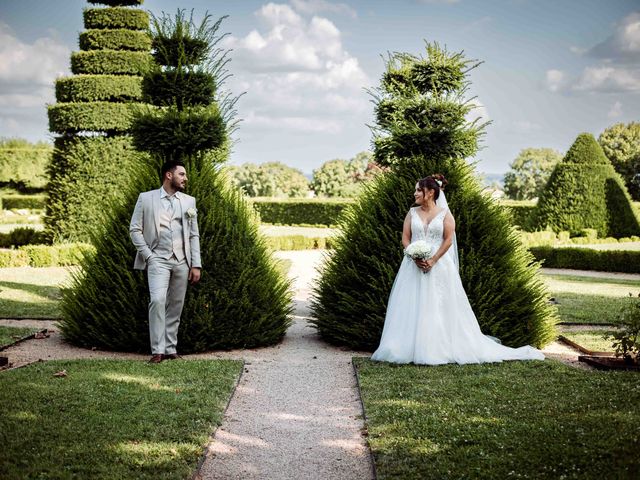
418, 250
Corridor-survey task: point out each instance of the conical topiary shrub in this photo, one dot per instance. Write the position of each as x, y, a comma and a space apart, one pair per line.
92, 117
584, 191
242, 299
421, 130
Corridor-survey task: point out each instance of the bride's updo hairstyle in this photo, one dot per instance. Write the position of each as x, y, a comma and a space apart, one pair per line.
434, 182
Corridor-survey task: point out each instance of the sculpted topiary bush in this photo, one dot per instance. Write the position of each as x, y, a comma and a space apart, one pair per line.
421, 130
584, 191
242, 299
92, 117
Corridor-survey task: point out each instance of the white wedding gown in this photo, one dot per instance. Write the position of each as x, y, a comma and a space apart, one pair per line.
429, 320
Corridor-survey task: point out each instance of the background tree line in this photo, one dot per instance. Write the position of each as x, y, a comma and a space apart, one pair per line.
23, 165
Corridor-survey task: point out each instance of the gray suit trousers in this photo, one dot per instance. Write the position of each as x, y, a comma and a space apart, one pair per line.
167, 287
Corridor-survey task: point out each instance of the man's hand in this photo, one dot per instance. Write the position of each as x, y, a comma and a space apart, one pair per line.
194, 275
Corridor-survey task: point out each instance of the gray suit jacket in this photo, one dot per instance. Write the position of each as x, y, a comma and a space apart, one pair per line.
145, 227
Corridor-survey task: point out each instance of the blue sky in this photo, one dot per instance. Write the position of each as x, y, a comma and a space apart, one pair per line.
552, 68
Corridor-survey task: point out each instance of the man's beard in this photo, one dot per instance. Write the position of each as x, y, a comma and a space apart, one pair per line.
176, 185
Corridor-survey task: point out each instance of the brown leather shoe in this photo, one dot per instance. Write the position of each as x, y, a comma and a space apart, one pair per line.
156, 358
171, 356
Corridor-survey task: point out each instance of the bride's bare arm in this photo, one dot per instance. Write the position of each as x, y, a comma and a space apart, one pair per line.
406, 231
449, 230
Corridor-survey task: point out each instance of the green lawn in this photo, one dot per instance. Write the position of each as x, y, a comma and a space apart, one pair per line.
27, 292
9, 335
589, 299
591, 339
538, 420
111, 419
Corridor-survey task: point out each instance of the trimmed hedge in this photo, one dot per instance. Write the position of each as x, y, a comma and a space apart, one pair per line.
521, 212
110, 62
91, 116
297, 211
584, 191
87, 177
21, 236
116, 3
116, 18
170, 131
24, 166
179, 51
96, 88
35, 201
61, 255
626, 261
115, 39
298, 242
182, 88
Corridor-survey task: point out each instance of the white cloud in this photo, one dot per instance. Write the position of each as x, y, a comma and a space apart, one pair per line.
616, 110
297, 74
608, 79
304, 124
555, 80
27, 75
624, 44
479, 112
38, 63
317, 6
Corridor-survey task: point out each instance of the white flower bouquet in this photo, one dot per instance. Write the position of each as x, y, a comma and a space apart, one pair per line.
418, 250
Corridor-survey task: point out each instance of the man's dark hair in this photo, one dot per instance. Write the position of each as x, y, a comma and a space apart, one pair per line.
169, 166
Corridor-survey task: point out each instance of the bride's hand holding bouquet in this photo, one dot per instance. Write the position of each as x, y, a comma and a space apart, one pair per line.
420, 252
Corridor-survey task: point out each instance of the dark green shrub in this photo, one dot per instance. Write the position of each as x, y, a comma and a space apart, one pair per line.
15, 202
132, 19
626, 261
116, 3
87, 176
176, 87
116, 39
521, 213
110, 62
107, 117
584, 191
299, 211
498, 274
13, 258
242, 299
21, 236
179, 43
96, 88
100, 101
177, 133
23, 164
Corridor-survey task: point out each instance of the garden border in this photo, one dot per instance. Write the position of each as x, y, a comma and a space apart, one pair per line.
364, 418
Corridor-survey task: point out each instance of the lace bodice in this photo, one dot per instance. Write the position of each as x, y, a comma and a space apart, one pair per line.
432, 233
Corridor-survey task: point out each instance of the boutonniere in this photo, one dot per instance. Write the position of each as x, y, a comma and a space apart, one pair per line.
191, 213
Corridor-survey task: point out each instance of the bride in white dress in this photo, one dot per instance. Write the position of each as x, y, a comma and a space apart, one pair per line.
429, 320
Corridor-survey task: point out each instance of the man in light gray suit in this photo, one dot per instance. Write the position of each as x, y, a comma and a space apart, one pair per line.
164, 230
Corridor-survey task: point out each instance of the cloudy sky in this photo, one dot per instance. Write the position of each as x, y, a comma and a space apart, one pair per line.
552, 68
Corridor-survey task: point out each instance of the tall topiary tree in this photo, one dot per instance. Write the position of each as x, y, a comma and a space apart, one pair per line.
421, 130
584, 191
242, 299
93, 115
